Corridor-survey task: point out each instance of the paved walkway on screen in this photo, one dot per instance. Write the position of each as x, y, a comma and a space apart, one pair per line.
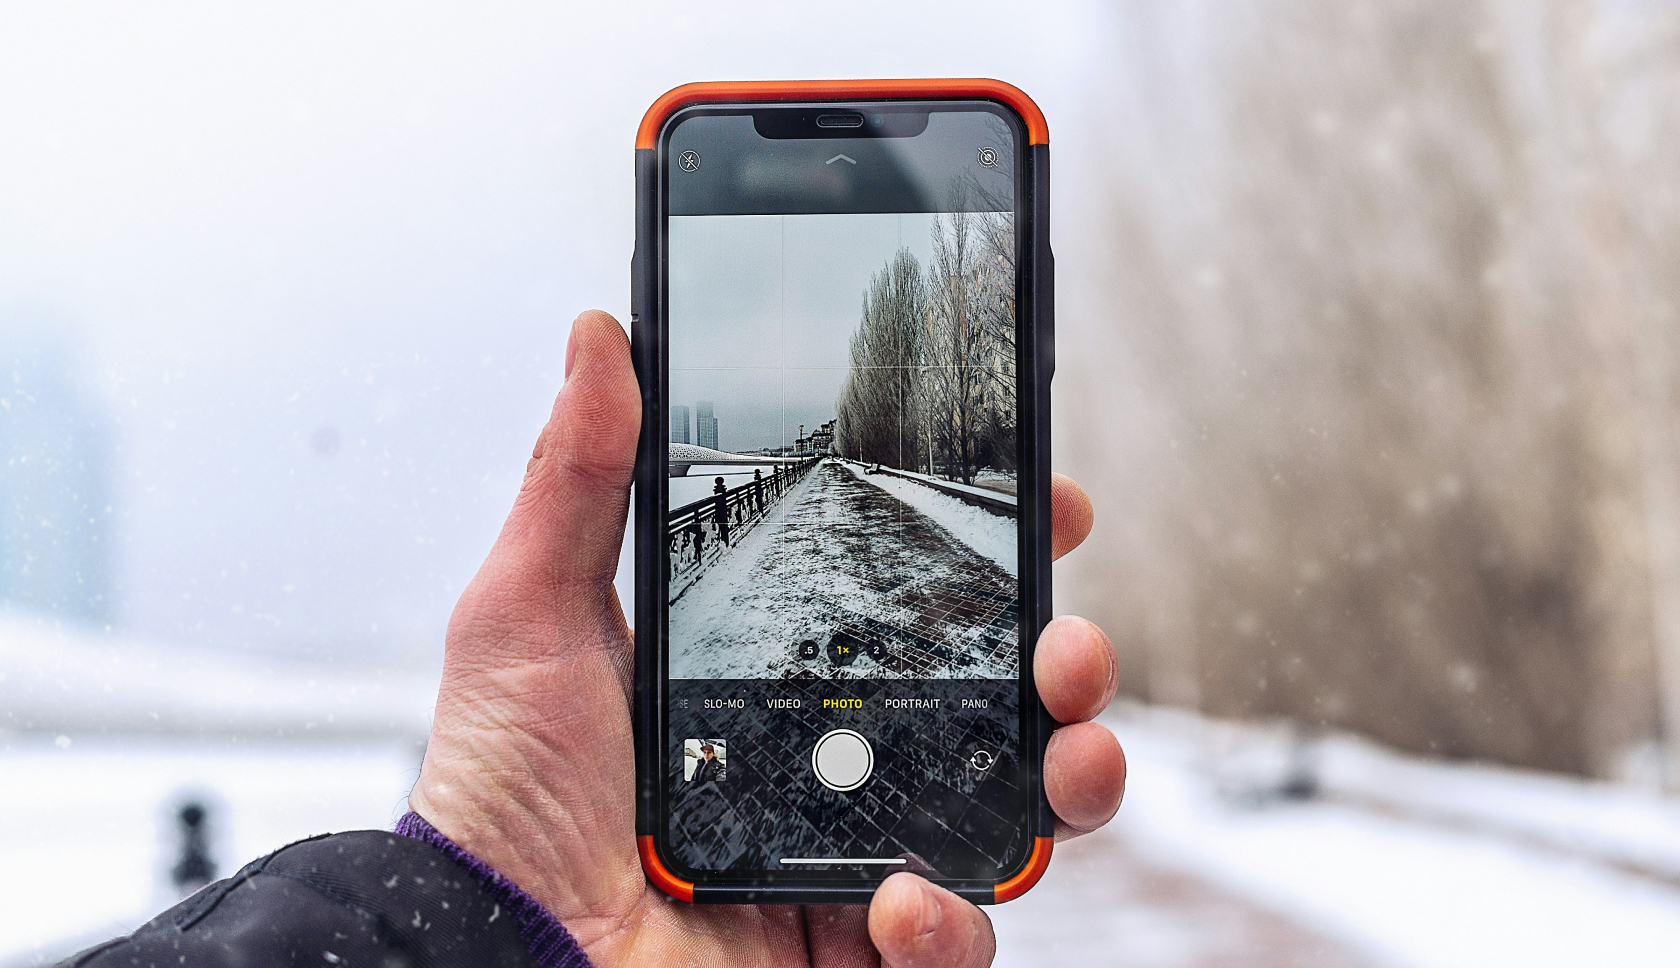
840, 555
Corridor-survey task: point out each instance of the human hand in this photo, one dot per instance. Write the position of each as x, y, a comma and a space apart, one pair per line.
530, 765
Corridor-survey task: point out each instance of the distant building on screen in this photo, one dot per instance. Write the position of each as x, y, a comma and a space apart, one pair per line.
705, 425
679, 425
822, 439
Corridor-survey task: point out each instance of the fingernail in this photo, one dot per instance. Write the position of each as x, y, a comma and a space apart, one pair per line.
571, 351
1113, 673
932, 913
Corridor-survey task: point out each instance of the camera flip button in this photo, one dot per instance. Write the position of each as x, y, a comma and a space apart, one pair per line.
842, 760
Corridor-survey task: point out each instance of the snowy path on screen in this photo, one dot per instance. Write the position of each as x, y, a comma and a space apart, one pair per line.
838, 550
992, 535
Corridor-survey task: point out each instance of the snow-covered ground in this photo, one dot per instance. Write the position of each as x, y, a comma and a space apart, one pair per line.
992, 535
1402, 887
87, 824
1400, 862
101, 734
1618, 827
1103, 904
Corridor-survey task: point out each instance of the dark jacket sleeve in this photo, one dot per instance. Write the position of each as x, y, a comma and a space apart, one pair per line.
365, 898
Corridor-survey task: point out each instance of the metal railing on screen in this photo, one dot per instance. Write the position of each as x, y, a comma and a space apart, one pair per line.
698, 534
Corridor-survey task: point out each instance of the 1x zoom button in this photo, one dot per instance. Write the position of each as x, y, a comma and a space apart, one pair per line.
842, 760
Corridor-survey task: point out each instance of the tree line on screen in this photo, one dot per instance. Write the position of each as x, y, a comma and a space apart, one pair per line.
931, 381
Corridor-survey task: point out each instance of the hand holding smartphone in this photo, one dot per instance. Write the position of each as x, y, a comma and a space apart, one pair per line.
842, 326
543, 767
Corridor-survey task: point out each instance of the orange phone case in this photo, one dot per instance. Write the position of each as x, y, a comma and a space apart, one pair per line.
644, 293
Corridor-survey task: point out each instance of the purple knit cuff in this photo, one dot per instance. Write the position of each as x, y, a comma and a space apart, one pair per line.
550, 944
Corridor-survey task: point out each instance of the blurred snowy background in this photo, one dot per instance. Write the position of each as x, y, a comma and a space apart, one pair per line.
1368, 327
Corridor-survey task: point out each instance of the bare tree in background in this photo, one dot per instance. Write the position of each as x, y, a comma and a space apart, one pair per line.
994, 303
1620, 101
956, 345
879, 416
931, 374
1418, 475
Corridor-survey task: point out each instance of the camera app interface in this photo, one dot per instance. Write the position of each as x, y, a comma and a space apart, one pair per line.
842, 539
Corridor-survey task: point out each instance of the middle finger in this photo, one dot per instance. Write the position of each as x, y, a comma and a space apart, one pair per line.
1075, 669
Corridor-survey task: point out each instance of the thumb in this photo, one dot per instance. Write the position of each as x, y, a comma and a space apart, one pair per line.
555, 558
536, 660
915, 924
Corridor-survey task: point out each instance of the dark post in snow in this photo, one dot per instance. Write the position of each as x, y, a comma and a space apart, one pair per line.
195, 868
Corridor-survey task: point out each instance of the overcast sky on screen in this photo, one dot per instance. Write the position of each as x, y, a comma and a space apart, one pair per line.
763, 308
248, 225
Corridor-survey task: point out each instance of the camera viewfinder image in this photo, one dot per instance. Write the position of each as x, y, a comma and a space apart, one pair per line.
843, 449
705, 761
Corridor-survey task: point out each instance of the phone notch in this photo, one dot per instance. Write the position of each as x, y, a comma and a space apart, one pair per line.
875, 121
850, 119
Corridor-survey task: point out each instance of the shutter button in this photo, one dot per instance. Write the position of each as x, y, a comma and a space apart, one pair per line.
842, 760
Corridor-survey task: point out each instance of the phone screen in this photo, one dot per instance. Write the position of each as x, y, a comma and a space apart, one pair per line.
843, 580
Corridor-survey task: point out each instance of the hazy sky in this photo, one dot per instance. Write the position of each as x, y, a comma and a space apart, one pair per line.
763, 308
252, 227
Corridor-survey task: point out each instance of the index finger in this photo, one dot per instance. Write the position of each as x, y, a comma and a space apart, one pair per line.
1070, 515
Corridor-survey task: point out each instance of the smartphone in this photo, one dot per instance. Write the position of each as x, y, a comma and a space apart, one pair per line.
842, 324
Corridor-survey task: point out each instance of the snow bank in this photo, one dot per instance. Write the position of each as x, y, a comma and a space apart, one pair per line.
1006, 495
989, 534
58, 679
88, 825
1419, 892
1621, 827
